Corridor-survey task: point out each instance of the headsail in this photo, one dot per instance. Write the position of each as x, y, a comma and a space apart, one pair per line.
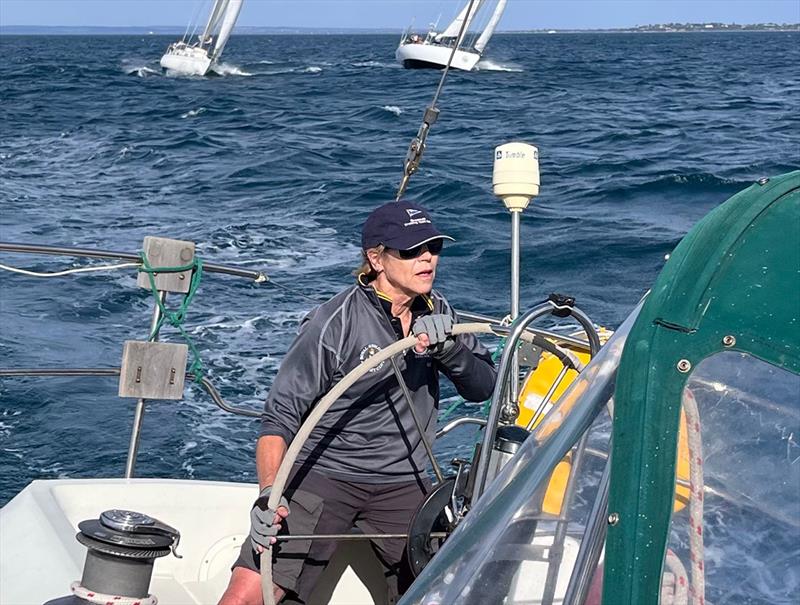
455, 25
484, 38
229, 20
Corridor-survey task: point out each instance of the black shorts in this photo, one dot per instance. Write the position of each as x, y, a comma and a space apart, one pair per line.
321, 505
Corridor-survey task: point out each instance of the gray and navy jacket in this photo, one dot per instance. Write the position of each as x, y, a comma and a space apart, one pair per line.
368, 435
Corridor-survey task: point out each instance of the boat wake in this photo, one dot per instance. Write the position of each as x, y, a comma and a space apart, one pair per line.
226, 69
377, 64
488, 65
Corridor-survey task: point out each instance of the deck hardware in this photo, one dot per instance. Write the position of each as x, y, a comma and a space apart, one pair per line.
152, 370
728, 340
163, 252
684, 365
763, 181
613, 519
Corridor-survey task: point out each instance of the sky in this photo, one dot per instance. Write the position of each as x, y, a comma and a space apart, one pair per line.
397, 14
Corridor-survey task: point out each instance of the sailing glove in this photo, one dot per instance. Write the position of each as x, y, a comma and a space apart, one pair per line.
262, 519
439, 328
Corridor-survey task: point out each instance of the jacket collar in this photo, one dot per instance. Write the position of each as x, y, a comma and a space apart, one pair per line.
421, 305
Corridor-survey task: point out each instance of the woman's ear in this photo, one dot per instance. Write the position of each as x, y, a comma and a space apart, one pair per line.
375, 258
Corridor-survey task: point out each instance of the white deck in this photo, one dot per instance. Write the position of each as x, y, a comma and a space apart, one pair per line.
40, 558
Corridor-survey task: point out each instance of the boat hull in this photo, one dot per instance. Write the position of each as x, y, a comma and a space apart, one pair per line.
434, 56
189, 61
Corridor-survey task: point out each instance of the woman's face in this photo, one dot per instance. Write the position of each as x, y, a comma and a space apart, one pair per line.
411, 276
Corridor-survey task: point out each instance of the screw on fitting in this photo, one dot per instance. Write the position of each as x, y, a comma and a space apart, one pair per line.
763, 181
728, 340
684, 365
613, 518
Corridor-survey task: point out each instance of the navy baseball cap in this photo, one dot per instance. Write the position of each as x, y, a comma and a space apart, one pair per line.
399, 225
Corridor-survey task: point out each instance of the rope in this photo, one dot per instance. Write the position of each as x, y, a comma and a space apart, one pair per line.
697, 589
176, 318
679, 594
99, 598
68, 271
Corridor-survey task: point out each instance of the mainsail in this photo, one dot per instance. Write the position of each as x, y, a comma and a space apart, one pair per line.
483, 40
451, 31
229, 20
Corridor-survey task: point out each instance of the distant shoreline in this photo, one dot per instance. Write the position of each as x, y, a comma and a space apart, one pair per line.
169, 30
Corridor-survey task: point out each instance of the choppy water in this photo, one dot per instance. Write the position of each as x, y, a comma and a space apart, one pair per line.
274, 164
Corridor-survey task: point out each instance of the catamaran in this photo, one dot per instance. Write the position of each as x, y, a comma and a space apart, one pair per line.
197, 59
434, 49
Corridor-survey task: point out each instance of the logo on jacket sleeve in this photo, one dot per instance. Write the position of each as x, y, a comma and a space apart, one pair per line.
369, 351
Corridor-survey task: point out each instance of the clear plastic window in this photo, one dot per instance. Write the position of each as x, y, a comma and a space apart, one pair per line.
749, 418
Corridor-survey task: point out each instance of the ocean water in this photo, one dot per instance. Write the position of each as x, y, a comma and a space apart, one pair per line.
273, 164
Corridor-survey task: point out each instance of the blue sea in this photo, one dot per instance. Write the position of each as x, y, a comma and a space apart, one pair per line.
273, 162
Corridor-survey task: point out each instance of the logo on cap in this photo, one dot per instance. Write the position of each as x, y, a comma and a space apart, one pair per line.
498, 155
412, 213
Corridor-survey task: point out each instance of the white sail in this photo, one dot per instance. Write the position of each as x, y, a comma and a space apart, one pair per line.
213, 19
228, 21
483, 40
455, 25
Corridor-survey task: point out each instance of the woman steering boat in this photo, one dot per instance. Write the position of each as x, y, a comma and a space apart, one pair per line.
364, 465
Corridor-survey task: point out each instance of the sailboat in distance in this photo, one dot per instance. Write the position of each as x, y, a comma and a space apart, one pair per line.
196, 59
433, 50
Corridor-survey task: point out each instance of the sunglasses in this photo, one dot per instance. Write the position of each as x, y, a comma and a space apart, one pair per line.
434, 247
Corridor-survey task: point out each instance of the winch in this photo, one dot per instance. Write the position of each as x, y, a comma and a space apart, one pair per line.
122, 547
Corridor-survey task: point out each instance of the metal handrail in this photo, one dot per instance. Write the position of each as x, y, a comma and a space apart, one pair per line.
257, 276
457, 423
500, 390
578, 343
208, 387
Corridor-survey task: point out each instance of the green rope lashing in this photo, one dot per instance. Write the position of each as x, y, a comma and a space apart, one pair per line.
177, 317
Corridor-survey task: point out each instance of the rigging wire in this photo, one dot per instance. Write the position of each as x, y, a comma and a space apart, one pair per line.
69, 271
196, 21
261, 279
417, 146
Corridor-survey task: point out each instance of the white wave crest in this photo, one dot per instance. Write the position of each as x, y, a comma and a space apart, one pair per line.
141, 72
488, 65
375, 64
312, 69
393, 109
193, 113
226, 69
